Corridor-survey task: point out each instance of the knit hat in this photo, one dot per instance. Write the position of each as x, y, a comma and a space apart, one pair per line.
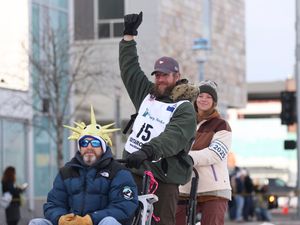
92, 130
209, 87
166, 65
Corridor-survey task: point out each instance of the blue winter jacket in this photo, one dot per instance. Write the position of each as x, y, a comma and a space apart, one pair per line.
103, 189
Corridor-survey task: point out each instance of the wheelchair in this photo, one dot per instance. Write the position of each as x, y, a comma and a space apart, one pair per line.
144, 213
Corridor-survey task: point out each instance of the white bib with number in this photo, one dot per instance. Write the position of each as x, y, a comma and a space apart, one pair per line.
153, 116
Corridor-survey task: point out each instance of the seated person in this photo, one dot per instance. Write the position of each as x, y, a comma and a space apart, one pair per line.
92, 188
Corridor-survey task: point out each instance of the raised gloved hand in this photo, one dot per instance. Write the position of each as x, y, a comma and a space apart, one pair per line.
131, 23
135, 159
65, 219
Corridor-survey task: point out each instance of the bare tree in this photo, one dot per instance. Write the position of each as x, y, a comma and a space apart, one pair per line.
56, 70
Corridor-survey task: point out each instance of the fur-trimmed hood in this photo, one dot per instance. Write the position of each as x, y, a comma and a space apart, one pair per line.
184, 91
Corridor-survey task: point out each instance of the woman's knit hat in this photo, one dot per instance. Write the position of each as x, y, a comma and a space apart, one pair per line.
209, 87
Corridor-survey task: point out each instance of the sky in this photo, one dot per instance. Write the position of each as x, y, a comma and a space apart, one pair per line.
270, 39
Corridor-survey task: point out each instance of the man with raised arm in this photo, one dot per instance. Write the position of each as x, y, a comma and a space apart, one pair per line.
165, 124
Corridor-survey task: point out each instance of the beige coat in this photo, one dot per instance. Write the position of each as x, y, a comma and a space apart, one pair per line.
211, 161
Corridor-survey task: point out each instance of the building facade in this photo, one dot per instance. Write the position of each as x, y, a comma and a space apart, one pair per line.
48, 28
206, 37
15, 116
24, 143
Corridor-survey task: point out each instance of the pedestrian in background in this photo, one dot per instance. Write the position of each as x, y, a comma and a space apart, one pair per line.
209, 153
12, 212
232, 204
248, 210
239, 188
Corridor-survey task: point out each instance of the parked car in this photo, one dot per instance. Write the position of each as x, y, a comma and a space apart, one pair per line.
283, 193
277, 188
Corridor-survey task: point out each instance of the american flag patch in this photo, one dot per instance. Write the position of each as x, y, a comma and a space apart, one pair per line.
170, 108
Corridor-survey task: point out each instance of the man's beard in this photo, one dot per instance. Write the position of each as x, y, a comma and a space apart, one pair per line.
161, 94
89, 159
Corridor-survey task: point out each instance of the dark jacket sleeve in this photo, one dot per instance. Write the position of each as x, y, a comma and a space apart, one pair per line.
57, 201
177, 134
134, 79
123, 199
9, 186
14, 191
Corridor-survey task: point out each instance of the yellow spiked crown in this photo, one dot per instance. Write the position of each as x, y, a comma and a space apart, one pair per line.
93, 129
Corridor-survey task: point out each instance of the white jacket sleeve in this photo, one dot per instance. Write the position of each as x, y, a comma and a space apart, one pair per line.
217, 150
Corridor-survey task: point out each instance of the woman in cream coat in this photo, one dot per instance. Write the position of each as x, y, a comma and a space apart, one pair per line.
209, 153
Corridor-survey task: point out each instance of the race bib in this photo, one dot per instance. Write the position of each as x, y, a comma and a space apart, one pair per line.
153, 116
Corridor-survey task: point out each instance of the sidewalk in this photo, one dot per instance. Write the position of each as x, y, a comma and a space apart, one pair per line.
26, 214
286, 222
266, 223
277, 217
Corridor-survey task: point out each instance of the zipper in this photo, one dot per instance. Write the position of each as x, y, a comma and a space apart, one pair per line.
214, 172
84, 191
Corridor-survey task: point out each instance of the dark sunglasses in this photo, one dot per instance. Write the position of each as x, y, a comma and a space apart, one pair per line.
94, 142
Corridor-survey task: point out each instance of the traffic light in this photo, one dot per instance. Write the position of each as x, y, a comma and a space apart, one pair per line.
290, 144
288, 107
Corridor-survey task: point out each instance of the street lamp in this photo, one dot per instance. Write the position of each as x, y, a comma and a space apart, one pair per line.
201, 44
118, 147
297, 74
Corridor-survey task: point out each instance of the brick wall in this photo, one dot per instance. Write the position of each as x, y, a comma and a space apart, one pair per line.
169, 28
181, 22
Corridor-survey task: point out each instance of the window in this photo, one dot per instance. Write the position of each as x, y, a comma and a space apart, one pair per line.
97, 19
110, 18
13, 146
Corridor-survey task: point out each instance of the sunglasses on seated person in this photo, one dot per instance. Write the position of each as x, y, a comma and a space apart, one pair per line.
94, 142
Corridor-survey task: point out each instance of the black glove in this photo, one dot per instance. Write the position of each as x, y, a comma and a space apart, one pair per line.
131, 23
136, 159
